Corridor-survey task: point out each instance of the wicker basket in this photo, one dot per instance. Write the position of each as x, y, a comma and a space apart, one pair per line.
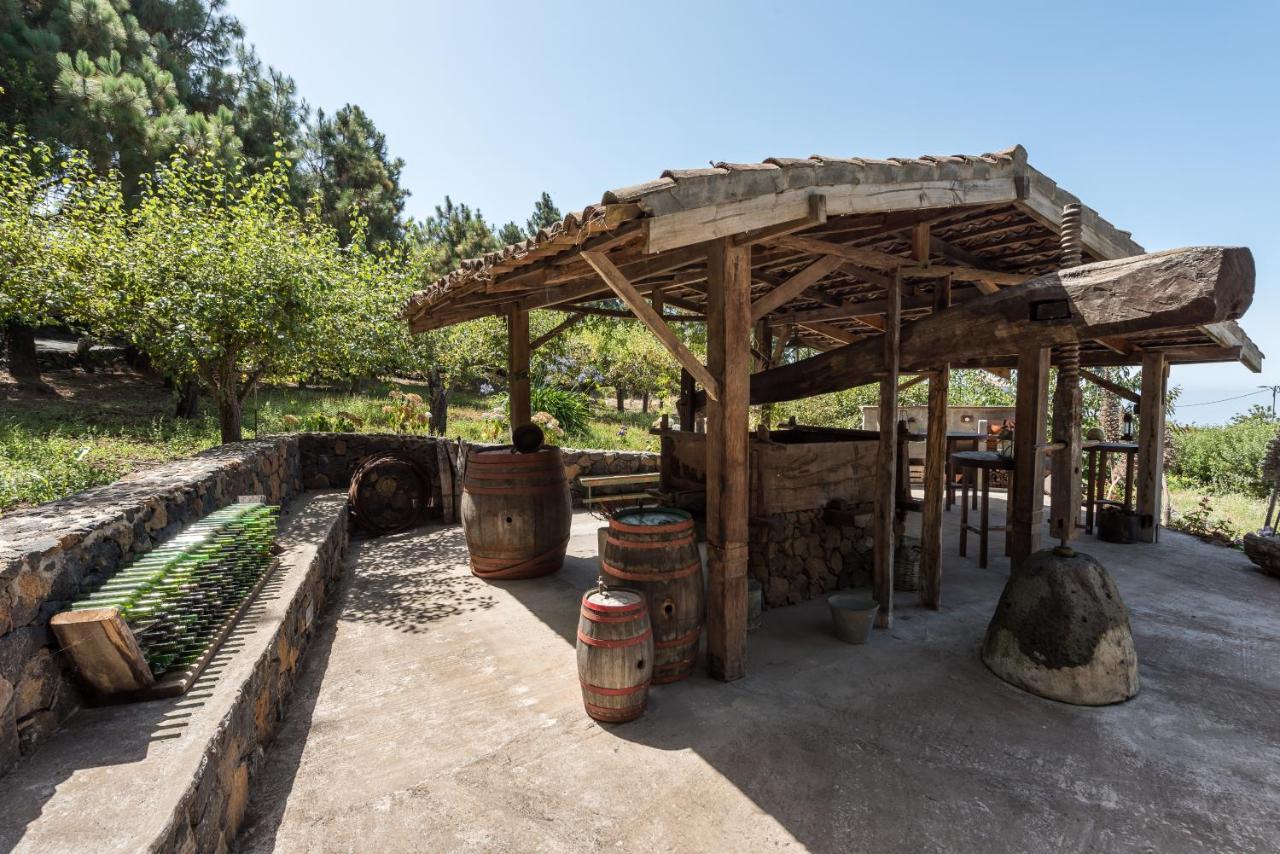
906, 565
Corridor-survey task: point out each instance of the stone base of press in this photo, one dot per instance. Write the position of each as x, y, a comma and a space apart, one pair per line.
173, 775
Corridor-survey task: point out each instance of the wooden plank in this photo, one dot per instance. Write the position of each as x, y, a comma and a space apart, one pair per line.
794, 286
518, 367
817, 216
103, 649
1115, 388
886, 462
445, 465
833, 332
912, 381
563, 325
1039, 199
1162, 290
935, 471
1025, 507
1065, 489
1151, 412
732, 217
628, 294
728, 503
1229, 334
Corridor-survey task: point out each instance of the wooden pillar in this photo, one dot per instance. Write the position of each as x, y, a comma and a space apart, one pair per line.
886, 458
686, 406
935, 470
518, 367
729, 361
1155, 379
1025, 505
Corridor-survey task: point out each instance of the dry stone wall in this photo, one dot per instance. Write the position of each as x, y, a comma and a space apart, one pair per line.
50, 553
800, 555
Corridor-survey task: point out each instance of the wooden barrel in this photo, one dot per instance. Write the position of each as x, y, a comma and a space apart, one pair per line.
388, 493
516, 512
655, 551
615, 653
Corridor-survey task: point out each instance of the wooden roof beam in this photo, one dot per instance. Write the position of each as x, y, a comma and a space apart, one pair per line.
1107, 385
627, 292
877, 260
794, 286
555, 330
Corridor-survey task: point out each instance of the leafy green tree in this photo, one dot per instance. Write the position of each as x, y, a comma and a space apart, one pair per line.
511, 233
348, 167
50, 214
224, 279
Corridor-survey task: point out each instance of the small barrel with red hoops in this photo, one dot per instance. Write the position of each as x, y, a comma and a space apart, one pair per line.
655, 551
615, 653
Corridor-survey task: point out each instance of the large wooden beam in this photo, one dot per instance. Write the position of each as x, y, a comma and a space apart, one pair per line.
794, 286
1155, 379
628, 294
1163, 290
887, 461
1229, 334
728, 510
935, 471
518, 367
1025, 507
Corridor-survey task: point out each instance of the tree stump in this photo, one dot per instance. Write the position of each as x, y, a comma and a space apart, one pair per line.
1061, 631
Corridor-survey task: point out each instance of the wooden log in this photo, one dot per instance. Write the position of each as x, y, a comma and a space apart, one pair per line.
935, 472
518, 366
1025, 506
1155, 377
103, 649
728, 511
628, 294
886, 462
1163, 290
448, 508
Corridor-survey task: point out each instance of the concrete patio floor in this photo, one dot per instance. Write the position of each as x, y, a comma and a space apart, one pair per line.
437, 712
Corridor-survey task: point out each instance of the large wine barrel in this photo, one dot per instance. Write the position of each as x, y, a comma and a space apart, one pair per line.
516, 512
388, 493
615, 653
654, 551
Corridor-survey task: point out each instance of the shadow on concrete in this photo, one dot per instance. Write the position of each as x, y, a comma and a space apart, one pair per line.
389, 596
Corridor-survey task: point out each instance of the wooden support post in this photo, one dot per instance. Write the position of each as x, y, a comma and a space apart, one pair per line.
729, 361
518, 366
1024, 507
886, 460
1155, 378
935, 471
686, 407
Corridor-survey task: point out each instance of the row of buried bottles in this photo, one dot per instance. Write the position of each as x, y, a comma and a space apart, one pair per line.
646, 626
176, 597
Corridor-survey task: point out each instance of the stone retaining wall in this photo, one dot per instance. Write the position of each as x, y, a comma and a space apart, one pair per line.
213, 806
797, 556
48, 554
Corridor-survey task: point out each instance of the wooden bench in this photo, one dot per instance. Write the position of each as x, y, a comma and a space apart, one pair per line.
606, 481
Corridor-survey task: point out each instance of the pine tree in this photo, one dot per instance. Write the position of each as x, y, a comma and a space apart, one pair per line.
545, 213
511, 233
349, 169
453, 234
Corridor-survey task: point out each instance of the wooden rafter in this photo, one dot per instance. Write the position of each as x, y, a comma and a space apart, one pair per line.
627, 292
556, 330
1115, 388
794, 286
878, 260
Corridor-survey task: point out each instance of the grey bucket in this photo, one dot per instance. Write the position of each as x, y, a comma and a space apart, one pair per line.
852, 615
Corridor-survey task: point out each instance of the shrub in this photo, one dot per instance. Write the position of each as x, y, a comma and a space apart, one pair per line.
1224, 459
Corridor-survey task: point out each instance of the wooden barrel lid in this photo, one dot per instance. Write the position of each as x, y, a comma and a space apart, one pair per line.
652, 520
612, 599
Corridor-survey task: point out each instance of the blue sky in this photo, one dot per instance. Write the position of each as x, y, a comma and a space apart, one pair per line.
1164, 117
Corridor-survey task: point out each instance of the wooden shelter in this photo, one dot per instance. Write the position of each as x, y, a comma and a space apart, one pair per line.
886, 268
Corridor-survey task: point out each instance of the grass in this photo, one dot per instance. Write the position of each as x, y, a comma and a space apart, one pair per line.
1220, 516
102, 426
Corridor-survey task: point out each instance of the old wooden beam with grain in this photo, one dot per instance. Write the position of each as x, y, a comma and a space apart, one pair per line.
1162, 290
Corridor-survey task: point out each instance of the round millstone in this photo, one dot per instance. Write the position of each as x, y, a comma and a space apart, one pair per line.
1061, 631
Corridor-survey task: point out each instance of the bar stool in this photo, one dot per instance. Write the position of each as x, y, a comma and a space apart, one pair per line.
975, 466
954, 440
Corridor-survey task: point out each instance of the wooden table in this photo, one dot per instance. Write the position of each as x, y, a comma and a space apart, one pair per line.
978, 464
954, 439
1095, 495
